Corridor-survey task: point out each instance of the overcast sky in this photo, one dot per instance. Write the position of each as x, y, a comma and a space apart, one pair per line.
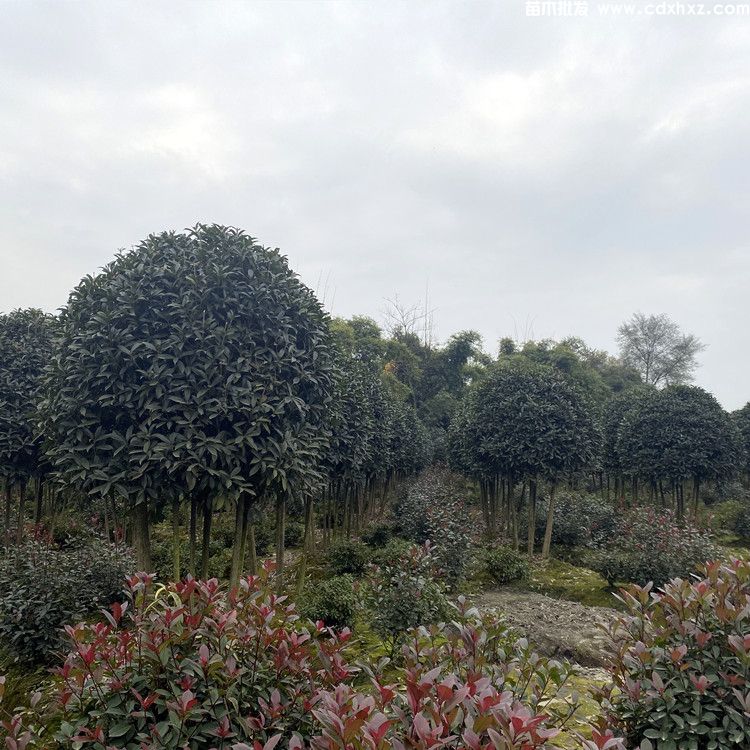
544, 176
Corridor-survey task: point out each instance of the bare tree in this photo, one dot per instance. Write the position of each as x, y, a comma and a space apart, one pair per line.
656, 347
402, 319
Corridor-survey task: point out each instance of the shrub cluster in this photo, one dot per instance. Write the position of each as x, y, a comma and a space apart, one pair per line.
682, 660
192, 666
578, 519
348, 557
43, 587
331, 601
650, 546
502, 564
404, 593
433, 510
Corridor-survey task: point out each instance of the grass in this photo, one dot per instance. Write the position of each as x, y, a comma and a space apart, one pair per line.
562, 580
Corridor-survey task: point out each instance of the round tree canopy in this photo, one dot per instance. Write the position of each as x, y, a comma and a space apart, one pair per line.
196, 362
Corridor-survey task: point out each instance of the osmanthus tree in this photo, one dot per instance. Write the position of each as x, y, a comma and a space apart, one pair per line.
613, 413
527, 422
677, 434
741, 419
26, 345
195, 366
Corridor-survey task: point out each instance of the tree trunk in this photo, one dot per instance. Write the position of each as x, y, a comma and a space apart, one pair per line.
240, 537
39, 492
280, 523
309, 542
208, 515
140, 535
21, 511
176, 541
253, 562
193, 532
532, 517
550, 520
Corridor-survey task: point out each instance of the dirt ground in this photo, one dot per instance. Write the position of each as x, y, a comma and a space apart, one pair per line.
556, 627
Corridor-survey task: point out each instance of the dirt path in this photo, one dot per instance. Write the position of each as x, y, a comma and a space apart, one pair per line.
555, 627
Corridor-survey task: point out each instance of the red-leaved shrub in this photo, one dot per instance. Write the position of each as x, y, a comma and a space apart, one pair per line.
681, 670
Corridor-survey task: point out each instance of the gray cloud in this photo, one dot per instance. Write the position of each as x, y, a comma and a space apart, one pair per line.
552, 173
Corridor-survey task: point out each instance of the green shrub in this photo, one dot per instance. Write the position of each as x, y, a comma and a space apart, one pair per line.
578, 519
395, 549
723, 516
378, 535
348, 556
681, 663
43, 587
503, 564
405, 593
332, 601
294, 534
650, 546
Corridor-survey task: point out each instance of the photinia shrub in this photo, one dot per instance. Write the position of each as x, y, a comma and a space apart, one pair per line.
681, 664
332, 601
578, 519
432, 510
502, 564
468, 685
651, 545
190, 665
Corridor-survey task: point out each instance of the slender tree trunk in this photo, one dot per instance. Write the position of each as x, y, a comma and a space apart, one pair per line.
208, 515
240, 538
176, 540
21, 511
140, 535
253, 562
550, 520
39, 492
193, 533
532, 517
309, 543
280, 524
696, 495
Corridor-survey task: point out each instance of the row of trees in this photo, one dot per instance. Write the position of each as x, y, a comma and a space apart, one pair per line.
523, 423
197, 370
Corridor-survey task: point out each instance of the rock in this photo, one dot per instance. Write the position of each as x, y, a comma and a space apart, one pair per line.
555, 627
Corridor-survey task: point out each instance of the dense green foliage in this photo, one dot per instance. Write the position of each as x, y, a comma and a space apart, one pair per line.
44, 587
331, 601
432, 509
501, 564
195, 364
404, 593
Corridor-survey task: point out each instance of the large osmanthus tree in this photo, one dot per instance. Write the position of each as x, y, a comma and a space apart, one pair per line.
195, 365
26, 345
677, 434
527, 422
